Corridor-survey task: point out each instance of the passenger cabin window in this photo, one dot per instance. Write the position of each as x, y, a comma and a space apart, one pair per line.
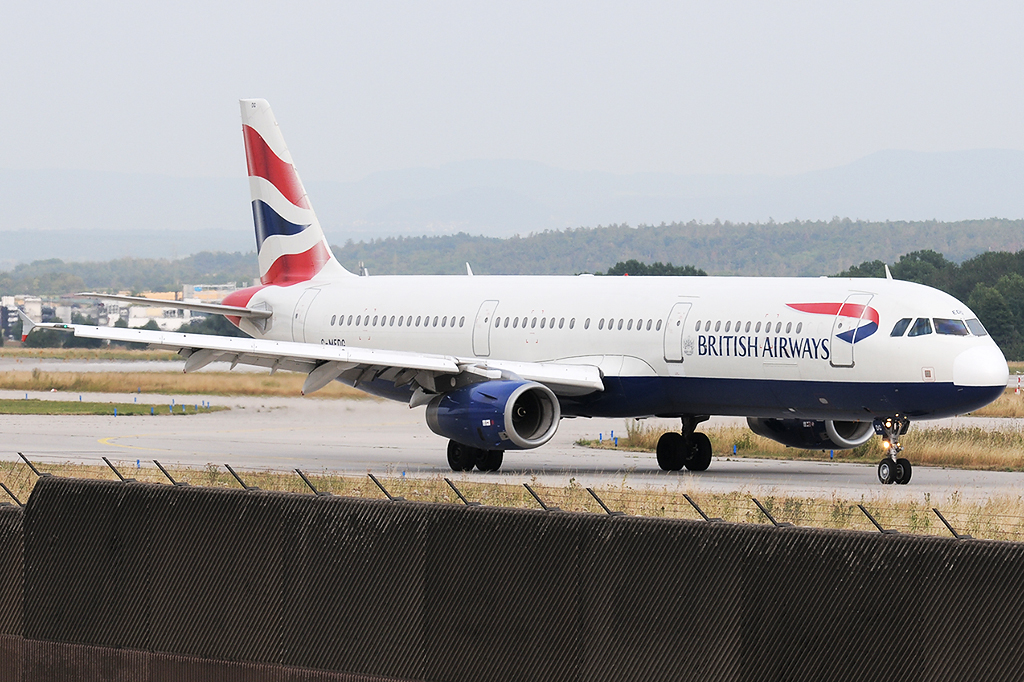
658, 328
976, 327
757, 328
951, 327
789, 327
901, 327
799, 326
747, 328
921, 327
778, 327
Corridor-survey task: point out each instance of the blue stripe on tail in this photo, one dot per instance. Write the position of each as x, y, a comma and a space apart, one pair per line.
269, 223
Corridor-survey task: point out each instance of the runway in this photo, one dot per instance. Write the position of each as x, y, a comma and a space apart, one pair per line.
360, 436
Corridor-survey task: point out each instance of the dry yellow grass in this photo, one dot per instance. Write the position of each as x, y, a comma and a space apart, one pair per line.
1009, 404
202, 383
86, 354
995, 519
962, 448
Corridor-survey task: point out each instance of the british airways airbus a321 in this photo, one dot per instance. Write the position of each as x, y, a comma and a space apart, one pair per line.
499, 361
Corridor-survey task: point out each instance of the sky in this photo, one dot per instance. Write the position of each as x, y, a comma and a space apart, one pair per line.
744, 87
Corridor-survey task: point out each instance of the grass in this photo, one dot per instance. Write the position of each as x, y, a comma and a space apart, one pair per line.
994, 519
86, 354
287, 384
64, 407
962, 448
1009, 404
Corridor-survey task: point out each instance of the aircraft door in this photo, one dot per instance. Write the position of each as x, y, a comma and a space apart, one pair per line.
848, 318
482, 328
674, 328
299, 316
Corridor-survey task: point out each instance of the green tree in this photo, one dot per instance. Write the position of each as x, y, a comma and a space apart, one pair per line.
658, 269
994, 312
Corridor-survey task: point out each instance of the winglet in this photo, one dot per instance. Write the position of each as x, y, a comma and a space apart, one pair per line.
27, 325
888, 275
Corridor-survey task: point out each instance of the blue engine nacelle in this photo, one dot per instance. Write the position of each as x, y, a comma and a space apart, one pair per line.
496, 415
813, 435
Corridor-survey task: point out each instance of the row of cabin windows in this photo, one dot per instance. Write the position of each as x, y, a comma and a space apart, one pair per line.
514, 322
923, 326
361, 320
602, 323
746, 328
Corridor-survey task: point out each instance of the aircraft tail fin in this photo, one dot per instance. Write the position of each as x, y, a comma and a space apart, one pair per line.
289, 241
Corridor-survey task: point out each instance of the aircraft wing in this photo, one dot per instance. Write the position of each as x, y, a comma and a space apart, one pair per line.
323, 364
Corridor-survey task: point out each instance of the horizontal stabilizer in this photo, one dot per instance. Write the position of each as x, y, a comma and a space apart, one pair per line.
212, 308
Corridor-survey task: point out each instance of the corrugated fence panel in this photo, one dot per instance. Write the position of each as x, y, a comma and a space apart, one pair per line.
11, 542
354, 588
189, 583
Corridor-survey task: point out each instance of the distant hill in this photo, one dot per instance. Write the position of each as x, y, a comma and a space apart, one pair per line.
793, 248
97, 216
772, 249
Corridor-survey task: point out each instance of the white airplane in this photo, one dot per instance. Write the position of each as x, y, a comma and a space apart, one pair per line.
812, 363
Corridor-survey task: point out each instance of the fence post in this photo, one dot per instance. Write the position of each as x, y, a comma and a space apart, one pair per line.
118, 473
700, 511
30, 466
871, 518
540, 501
603, 505
11, 495
770, 517
311, 486
177, 484
942, 518
239, 478
461, 496
385, 490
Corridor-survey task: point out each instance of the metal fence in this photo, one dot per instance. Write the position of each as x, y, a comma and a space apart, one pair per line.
141, 581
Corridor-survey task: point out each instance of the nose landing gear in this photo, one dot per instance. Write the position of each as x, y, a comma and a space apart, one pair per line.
893, 469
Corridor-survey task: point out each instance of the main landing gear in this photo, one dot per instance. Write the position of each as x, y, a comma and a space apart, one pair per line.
464, 458
893, 469
686, 449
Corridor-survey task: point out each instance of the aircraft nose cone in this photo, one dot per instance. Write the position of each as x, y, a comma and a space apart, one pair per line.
981, 366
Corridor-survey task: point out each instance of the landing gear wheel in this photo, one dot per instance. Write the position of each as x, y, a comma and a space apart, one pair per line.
700, 453
887, 471
489, 460
671, 451
461, 457
903, 471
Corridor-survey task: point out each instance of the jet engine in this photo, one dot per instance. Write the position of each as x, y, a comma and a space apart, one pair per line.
813, 435
496, 415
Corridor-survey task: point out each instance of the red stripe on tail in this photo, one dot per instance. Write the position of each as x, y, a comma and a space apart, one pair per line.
264, 163
297, 267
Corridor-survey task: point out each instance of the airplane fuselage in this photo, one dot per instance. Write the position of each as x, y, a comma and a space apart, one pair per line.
671, 346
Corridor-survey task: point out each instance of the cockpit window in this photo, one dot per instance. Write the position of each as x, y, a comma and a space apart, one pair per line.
901, 327
976, 327
951, 327
921, 327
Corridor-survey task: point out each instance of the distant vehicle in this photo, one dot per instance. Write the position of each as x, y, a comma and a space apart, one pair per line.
499, 361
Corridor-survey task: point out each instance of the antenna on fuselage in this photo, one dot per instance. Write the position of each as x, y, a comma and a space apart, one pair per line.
469, 270
888, 275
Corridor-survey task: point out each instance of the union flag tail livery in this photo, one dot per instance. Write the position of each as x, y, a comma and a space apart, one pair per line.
820, 363
291, 246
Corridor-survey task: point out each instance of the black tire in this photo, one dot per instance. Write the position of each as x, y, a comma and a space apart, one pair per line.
671, 451
489, 460
886, 471
903, 471
700, 453
461, 457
